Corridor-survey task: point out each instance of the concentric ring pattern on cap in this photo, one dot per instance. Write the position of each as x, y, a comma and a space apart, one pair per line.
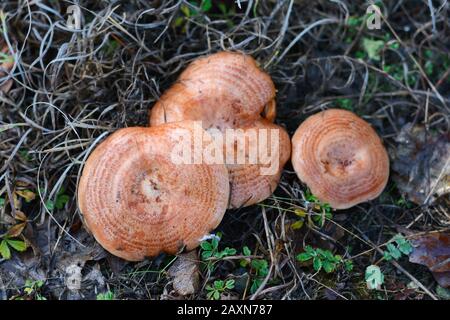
137, 202
340, 158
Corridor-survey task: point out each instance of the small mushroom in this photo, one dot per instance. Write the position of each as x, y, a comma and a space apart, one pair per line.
228, 90
340, 158
138, 202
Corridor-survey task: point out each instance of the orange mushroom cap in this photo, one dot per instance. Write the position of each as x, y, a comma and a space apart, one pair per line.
228, 90
340, 158
248, 184
137, 202
224, 89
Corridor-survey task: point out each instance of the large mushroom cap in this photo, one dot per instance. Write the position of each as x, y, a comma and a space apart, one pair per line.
137, 202
228, 90
340, 158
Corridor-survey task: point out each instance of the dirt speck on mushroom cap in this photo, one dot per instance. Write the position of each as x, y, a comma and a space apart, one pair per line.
340, 157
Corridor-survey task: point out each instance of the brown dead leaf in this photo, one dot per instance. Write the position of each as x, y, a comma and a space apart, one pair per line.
28, 195
16, 230
433, 251
420, 164
20, 216
185, 273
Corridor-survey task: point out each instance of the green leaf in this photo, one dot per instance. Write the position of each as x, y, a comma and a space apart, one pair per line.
225, 253
360, 54
428, 53
49, 205
297, 225
246, 251
28, 290
348, 264
17, 245
206, 5
206, 254
328, 266
255, 285
106, 296
244, 262
393, 251
229, 284
403, 244
178, 22
61, 200
310, 250
354, 21
387, 256
373, 48
216, 295
301, 213
261, 266
305, 256
345, 103
317, 263
327, 254
210, 295
223, 8
205, 245
218, 284
394, 45
215, 243
374, 277
4, 250
2, 202
230, 251
185, 10
443, 292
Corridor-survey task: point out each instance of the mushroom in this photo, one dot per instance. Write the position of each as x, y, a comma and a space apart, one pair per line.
5, 68
340, 158
138, 202
227, 90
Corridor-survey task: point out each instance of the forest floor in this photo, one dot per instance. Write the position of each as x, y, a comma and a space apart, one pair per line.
70, 89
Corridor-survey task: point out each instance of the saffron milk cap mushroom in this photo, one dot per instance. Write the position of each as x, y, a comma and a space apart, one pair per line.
227, 90
340, 157
138, 202
224, 90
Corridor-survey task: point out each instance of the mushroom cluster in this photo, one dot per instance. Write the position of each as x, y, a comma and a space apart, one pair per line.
228, 90
138, 201
340, 158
